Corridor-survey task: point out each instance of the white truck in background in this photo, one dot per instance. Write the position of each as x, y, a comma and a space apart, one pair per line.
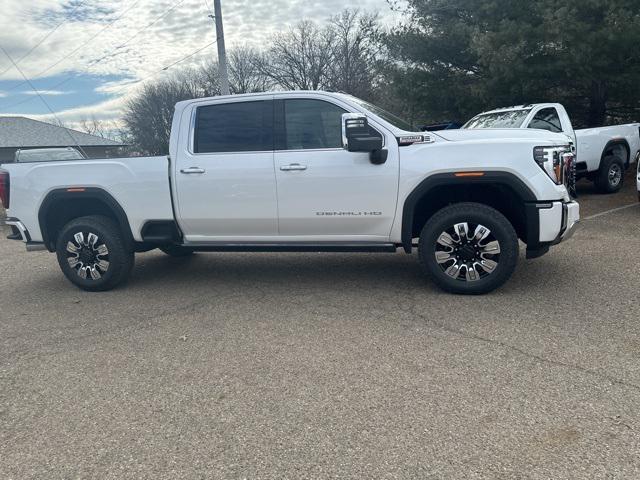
302, 171
602, 154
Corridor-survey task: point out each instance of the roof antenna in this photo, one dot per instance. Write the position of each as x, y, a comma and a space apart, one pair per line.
75, 142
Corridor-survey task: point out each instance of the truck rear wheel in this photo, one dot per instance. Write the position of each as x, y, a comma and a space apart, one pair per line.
611, 175
93, 255
468, 248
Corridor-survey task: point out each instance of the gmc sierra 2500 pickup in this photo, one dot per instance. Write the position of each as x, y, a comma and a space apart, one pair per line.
602, 154
302, 171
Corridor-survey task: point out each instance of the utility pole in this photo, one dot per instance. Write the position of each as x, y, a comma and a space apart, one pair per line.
222, 55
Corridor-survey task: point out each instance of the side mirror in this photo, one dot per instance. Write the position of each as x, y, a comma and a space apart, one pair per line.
356, 137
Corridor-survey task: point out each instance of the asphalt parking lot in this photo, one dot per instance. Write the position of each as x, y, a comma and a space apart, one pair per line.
327, 366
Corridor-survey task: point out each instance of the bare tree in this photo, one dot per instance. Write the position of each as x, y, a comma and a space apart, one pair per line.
245, 72
100, 128
355, 53
300, 58
148, 116
341, 56
207, 78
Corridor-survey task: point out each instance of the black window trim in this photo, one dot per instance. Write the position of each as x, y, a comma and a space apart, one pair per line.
193, 125
279, 140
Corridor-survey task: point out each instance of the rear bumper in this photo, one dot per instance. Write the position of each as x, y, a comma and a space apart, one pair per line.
20, 232
555, 222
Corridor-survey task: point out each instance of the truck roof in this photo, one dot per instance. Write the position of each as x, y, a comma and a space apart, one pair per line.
520, 107
262, 94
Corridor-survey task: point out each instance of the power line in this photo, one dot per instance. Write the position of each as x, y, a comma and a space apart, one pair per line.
43, 39
139, 32
164, 69
123, 87
80, 47
95, 62
75, 142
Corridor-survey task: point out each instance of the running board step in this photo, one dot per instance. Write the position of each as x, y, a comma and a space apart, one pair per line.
293, 247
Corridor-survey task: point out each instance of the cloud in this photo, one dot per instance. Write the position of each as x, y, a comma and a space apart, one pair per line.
108, 110
136, 39
48, 92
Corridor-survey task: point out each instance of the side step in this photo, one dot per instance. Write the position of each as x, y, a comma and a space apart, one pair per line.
293, 247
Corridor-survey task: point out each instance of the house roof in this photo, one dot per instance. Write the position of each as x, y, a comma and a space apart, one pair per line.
22, 132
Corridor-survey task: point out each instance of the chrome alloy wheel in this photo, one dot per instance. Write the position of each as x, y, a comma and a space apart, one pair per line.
90, 257
615, 175
467, 256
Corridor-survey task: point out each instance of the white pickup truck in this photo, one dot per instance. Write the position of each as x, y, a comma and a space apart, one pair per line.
602, 154
302, 171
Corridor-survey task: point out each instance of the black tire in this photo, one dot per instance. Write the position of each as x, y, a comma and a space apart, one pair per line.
491, 269
118, 257
177, 251
611, 175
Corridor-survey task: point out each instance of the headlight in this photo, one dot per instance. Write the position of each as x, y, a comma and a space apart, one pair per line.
555, 161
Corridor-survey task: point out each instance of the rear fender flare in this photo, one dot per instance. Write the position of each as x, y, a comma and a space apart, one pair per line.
89, 193
618, 141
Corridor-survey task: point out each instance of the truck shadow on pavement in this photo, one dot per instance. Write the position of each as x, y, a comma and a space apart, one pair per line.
359, 273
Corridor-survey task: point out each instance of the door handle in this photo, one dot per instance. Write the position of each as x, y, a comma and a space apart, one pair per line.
292, 167
192, 170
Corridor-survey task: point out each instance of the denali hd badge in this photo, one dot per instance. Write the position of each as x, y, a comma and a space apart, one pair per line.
348, 214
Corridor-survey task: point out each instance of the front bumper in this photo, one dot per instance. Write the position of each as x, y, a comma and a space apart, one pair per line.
549, 224
570, 219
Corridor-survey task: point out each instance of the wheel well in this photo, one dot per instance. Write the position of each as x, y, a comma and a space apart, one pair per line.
60, 207
614, 147
499, 196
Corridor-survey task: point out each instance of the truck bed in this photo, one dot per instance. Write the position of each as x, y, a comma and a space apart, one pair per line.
592, 142
139, 184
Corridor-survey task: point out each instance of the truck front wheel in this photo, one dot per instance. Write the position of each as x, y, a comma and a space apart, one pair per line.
92, 253
468, 248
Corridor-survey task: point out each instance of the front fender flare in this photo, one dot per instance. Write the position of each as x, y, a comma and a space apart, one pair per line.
444, 179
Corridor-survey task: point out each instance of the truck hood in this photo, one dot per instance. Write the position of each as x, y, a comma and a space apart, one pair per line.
502, 133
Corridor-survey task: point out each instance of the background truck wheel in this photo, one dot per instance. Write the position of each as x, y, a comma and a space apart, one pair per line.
611, 175
175, 251
468, 248
93, 255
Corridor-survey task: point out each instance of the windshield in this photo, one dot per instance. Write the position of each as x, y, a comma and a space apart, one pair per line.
383, 114
506, 119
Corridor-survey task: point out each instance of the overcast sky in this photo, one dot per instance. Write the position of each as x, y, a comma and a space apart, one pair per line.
111, 44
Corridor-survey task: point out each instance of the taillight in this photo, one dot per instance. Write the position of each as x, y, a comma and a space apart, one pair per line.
4, 188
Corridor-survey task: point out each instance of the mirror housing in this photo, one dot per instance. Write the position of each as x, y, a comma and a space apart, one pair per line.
356, 137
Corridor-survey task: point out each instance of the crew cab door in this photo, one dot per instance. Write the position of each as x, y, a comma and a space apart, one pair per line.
325, 192
224, 178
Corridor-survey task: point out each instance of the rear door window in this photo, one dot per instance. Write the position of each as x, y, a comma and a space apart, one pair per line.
234, 127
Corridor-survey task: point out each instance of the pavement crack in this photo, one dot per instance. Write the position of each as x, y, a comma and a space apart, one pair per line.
520, 351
